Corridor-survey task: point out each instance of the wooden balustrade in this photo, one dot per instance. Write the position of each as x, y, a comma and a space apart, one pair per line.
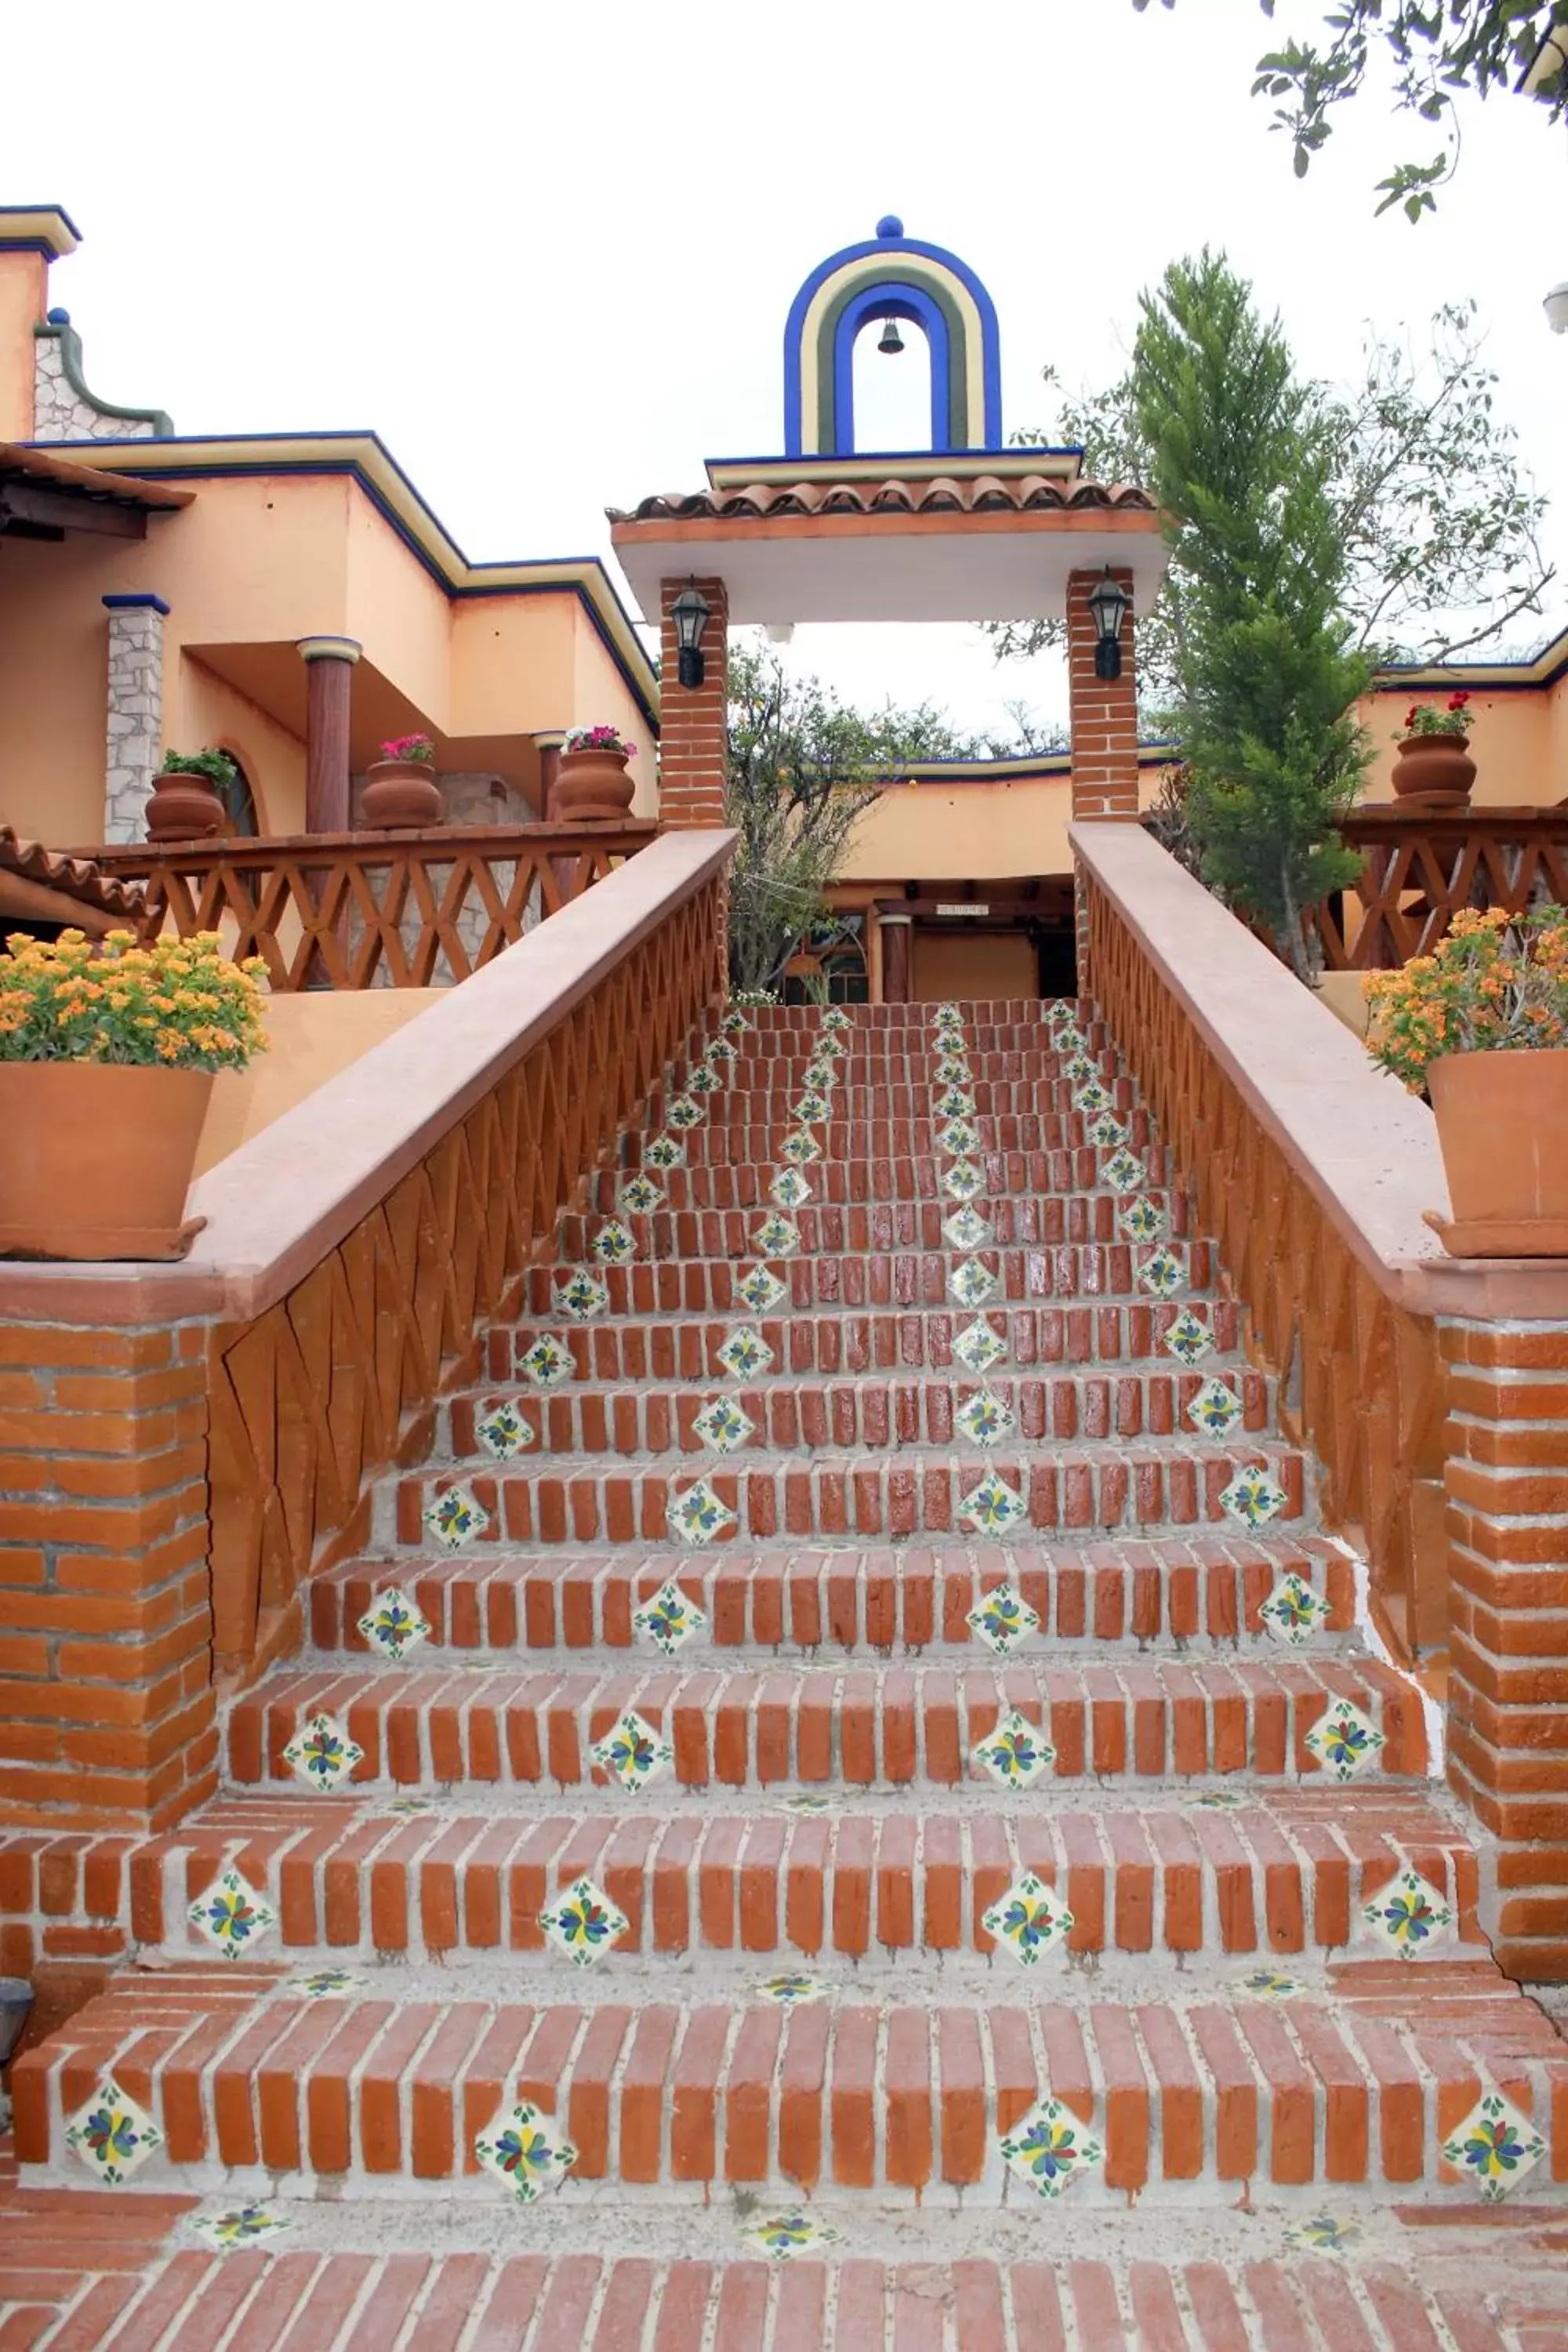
1422, 868
1311, 1170
371, 909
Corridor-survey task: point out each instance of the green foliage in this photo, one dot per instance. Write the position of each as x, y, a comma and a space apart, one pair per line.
1495, 983
1437, 49
178, 1004
216, 766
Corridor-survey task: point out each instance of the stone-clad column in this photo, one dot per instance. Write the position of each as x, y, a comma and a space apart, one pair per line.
135, 712
329, 666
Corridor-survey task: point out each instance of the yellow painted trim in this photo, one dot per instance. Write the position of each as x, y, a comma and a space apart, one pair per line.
1538, 671
866, 271
921, 465
39, 225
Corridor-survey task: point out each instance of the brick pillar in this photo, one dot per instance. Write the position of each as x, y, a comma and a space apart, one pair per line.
692, 718
330, 667
895, 929
1104, 710
133, 749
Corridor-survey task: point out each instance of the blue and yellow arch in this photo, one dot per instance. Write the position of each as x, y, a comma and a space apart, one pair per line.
892, 276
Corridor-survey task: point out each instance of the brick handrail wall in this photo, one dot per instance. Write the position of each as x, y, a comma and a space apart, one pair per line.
1420, 869
232, 1410
371, 909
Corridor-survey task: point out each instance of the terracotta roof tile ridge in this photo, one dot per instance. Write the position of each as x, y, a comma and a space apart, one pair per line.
74, 877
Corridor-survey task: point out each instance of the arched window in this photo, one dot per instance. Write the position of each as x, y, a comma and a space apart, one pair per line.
238, 801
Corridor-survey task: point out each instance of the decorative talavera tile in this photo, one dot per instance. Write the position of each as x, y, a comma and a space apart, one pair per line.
699, 1516
1495, 2147
1142, 1219
324, 1984
1188, 1337
1344, 1740
808, 1803
1323, 2234
1218, 1800
993, 1507
1059, 1014
718, 1050
685, 1112
1253, 1497
454, 1519
821, 1076
813, 1106
790, 1187
665, 1152
111, 2134
834, 1020
704, 1081
954, 1102
614, 1243
952, 1070
984, 1419
239, 2225
783, 2235
581, 1295
745, 1354
1293, 1613
504, 1431
1409, 1916
1016, 1754
1105, 1132
639, 1196
394, 1625
549, 1363
1162, 1272
231, 1916
761, 1290
735, 1023
1270, 1984
1080, 1069
1123, 1171
407, 1806
978, 1346
966, 1229
524, 2151
1050, 2148
321, 1753
959, 1136
1002, 1619
801, 1148
582, 1924
633, 1752
669, 1620
946, 1014
972, 1282
791, 1989
723, 1426
1215, 1409
1028, 1921
776, 1236
1091, 1098
963, 1181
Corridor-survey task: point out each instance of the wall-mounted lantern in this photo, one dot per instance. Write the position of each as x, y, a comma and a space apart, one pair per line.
1107, 602
690, 613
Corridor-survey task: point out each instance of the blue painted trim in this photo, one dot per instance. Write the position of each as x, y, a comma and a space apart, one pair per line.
136, 604
898, 302
882, 249
29, 244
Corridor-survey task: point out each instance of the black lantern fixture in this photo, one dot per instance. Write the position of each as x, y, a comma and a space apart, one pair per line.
690, 613
1107, 602
891, 339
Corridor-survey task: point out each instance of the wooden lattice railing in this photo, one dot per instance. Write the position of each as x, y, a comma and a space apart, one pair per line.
371, 909
1310, 1171
1420, 870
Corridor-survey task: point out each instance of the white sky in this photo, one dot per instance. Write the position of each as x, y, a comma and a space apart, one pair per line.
547, 252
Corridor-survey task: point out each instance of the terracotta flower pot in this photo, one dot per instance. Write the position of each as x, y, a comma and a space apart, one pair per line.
97, 1158
591, 788
1434, 768
1502, 1125
400, 795
182, 808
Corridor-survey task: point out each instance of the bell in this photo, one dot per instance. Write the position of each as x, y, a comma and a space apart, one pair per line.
891, 339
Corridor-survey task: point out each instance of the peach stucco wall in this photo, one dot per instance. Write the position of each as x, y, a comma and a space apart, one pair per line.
200, 709
311, 1037
1519, 741
601, 693
934, 832
977, 963
24, 298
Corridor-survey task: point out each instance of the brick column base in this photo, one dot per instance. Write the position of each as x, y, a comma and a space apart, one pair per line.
692, 718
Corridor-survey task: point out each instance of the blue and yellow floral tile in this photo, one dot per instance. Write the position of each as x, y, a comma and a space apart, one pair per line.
812, 1106
1092, 1098
723, 1426
978, 1346
761, 1290
231, 1916
1002, 1619
1215, 1409
943, 1015
665, 1152
970, 1283
581, 1295
669, 1620
1162, 1272
1105, 1132
1344, 1740
960, 1137
1059, 1014
954, 1102
745, 1354
718, 1050
801, 1148
735, 1023
985, 1420
1187, 1337
639, 1196
1123, 1171
1270, 1984
1048, 2149
1142, 1219
790, 1189
1028, 1921
821, 1074
966, 1229
963, 1181
505, 1430
704, 1081
394, 1625
524, 2151
952, 1070
1323, 2234
834, 1020
1253, 1497
1016, 1754
549, 1363
614, 1243
783, 2235
454, 1517
698, 1516
991, 1507
791, 1989
1409, 1916
1080, 1069
239, 2225
1293, 1614
809, 1803
111, 2134
776, 1236
685, 1112
321, 1754
582, 1924
1217, 1800
1495, 2147
633, 1752
324, 1984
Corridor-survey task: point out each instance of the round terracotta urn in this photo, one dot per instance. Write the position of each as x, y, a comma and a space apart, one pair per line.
97, 1158
400, 796
1503, 1128
1438, 769
182, 808
591, 788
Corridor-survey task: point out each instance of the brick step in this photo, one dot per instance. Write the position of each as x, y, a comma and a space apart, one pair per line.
1072, 1273
975, 1014
1075, 1217
849, 1341
880, 1229
427, 1723
1285, 1873
772, 1103
1178, 1591
762, 1144
919, 1062
869, 1413
1359, 2086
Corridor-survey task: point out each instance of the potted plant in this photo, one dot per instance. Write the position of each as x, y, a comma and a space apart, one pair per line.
400, 788
1435, 763
1481, 1024
107, 1056
186, 803
591, 786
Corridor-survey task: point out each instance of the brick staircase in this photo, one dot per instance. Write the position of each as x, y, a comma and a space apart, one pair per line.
847, 1801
